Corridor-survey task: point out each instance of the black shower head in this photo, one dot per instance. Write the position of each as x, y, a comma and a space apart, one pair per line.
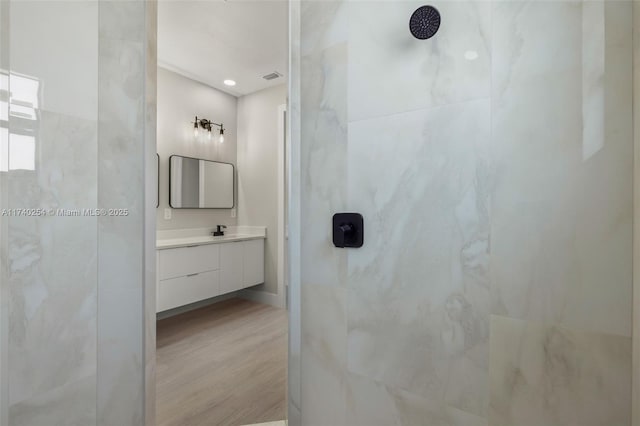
424, 22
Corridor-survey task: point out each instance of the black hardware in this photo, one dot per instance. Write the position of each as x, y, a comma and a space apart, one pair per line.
207, 124
348, 230
219, 232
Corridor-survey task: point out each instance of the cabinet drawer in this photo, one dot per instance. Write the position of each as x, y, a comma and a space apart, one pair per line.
178, 262
184, 290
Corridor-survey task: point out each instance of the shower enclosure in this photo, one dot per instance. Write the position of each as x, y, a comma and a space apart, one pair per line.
493, 165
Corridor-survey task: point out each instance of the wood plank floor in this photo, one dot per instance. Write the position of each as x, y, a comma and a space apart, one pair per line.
223, 364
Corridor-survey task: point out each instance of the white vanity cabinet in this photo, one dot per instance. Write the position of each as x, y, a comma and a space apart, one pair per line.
253, 266
232, 266
197, 272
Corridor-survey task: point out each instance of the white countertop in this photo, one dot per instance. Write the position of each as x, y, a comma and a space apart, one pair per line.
166, 239
200, 240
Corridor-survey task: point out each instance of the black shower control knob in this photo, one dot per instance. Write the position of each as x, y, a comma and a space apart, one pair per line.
348, 230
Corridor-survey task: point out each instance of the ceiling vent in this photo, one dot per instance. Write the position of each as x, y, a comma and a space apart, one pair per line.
272, 76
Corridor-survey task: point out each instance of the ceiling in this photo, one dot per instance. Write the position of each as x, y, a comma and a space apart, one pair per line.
214, 40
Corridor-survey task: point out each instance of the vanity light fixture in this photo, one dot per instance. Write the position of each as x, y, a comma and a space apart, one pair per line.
207, 125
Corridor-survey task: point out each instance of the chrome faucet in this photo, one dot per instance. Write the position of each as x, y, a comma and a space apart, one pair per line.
218, 232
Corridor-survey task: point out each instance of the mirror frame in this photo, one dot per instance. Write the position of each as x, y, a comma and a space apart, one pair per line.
233, 168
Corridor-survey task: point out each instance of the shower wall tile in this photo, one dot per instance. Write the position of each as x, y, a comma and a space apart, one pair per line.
496, 185
4, 222
120, 20
294, 251
555, 376
392, 72
418, 291
52, 260
71, 404
325, 128
561, 223
72, 158
524, 55
55, 43
324, 355
370, 403
325, 23
151, 185
52, 338
121, 180
120, 365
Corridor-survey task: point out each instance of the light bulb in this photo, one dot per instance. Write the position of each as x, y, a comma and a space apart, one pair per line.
221, 139
209, 135
195, 132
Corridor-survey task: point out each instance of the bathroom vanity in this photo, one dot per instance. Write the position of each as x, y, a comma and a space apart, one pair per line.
192, 267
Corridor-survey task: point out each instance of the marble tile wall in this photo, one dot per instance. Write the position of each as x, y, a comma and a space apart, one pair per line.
293, 215
4, 202
125, 168
71, 288
52, 260
493, 165
151, 182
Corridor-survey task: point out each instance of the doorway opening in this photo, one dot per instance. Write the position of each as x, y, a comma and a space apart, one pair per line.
221, 329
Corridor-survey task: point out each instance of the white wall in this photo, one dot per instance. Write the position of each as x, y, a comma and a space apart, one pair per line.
258, 170
180, 99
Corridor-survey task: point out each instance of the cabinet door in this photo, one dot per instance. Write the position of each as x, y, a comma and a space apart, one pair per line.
253, 262
230, 267
181, 291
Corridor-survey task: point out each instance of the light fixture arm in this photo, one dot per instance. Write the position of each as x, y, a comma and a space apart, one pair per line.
206, 124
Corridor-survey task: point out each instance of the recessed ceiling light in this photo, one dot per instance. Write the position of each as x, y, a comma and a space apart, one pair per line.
229, 83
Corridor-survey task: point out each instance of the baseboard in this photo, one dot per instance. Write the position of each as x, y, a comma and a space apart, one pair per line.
261, 297
196, 305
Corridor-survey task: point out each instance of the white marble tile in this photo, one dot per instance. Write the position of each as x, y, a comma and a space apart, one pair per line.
325, 129
123, 20
294, 246
324, 355
52, 260
121, 365
418, 291
512, 197
554, 376
561, 224
374, 404
121, 179
390, 71
324, 23
523, 55
120, 167
151, 185
55, 43
72, 404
